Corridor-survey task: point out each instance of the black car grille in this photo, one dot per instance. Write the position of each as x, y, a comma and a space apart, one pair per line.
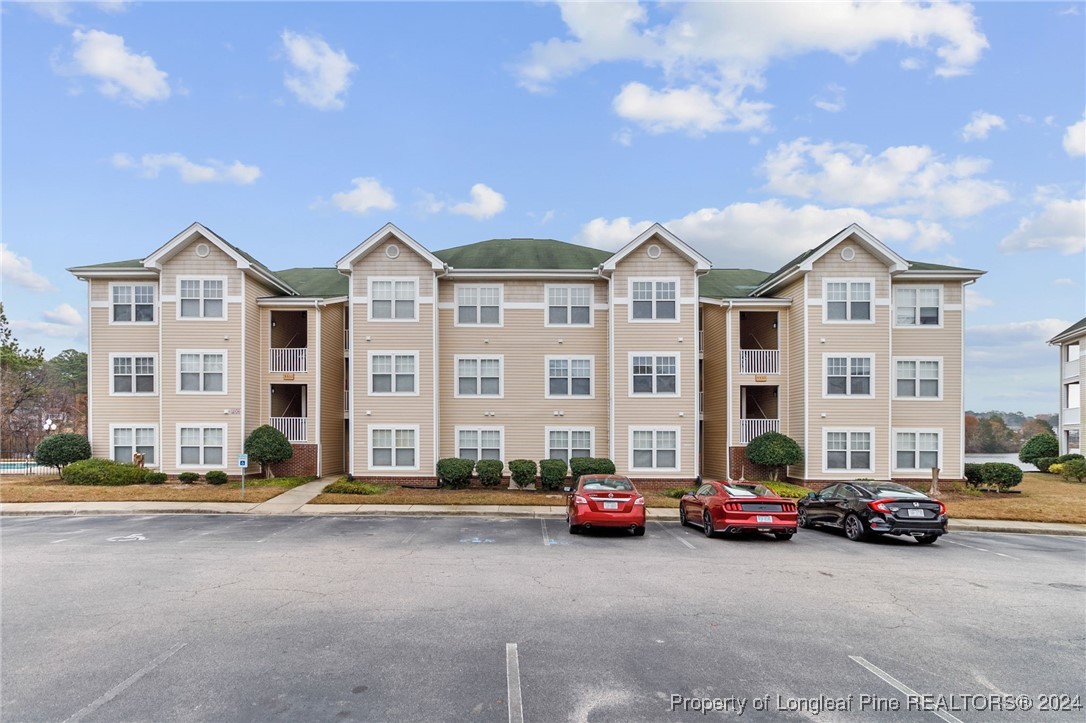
761, 507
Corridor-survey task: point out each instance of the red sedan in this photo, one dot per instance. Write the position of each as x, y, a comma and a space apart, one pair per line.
738, 507
605, 500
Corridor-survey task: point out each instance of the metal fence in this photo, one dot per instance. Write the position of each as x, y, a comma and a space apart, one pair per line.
24, 466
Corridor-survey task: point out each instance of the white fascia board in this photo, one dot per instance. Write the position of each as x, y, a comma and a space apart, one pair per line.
387, 231
700, 262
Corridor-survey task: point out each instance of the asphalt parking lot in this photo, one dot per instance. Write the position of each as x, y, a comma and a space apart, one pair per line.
225, 618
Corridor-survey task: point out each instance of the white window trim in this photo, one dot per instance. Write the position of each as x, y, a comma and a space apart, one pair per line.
132, 355
133, 426
562, 357
393, 279
393, 354
915, 430
156, 310
654, 279
591, 439
202, 426
591, 306
478, 357
918, 325
225, 298
850, 356
484, 428
371, 428
847, 280
1065, 403
201, 352
848, 470
652, 470
654, 354
501, 305
917, 398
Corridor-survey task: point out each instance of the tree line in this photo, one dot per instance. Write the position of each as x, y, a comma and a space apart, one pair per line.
990, 433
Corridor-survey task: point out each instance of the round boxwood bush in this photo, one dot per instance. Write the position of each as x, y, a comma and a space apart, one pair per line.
552, 473
775, 450
216, 477
154, 478
1043, 463
522, 471
972, 474
1003, 475
267, 445
102, 472
1039, 445
1068, 457
454, 472
188, 477
60, 450
580, 466
1074, 470
489, 471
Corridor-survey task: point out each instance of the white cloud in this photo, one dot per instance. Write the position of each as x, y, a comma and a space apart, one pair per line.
911, 64
122, 74
833, 101
485, 203
692, 109
323, 75
1074, 140
1060, 226
623, 136
547, 217
150, 165
1012, 344
15, 269
62, 322
1064, 281
59, 13
975, 300
914, 178
367, 194
980, 125
63, 314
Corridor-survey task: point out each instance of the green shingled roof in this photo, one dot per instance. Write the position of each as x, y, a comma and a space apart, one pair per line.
730, 283
1079, 327
523, 253
323, 282
130, 264
925, 266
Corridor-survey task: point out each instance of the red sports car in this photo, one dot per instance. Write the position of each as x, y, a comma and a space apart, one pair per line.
605, 500
738, 507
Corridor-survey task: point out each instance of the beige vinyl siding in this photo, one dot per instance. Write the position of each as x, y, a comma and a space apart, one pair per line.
330, 368
714, 380
375, 336
793, 378
656, 337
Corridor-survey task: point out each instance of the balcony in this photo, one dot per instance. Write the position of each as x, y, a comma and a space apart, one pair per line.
287, 360
751, 428
1071, 416
294, 428
760, 361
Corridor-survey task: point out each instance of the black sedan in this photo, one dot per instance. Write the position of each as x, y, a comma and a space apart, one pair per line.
867, 509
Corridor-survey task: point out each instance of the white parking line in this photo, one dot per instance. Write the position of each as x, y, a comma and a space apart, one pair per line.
512, 684
900, 686
120, 687
980, 549
661, 526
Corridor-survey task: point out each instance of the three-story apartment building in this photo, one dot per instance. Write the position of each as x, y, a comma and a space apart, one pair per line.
529, 348
1072, 372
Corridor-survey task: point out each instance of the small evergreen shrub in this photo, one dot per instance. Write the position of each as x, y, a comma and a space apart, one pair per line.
675, 492
1039, 445
154, 478
454, 472
775, 450
789, 491
60, 450
489, 471
1055, 468
552, 473
972, 474
103, 472
1074, 470
343, 487
1068, 457
188, 477
1043, 463
1000, 474
522, 472
267, 445
216, 477
580, 466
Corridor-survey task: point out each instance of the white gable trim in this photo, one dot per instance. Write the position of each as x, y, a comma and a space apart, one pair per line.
383, 234
700, 262
878, 248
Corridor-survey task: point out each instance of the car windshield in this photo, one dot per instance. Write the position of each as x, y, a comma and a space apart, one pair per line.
606, 483
889, 489
747, 491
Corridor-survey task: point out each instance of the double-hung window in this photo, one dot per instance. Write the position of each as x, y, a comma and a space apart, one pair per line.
848, 301
478, 376
133, 374
1071, 396
202, 372
848, 450
569, 376
132, 303
569, 305
916, 449
201, 298
393, 373
917, 378
478, 305
202, 446
566, 443
652, 299
917, 306
654, 449
393, 299
654, 374
476, 444
848, 376
394, 447
129, 439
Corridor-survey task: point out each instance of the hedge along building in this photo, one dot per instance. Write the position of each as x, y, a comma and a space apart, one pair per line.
529, 348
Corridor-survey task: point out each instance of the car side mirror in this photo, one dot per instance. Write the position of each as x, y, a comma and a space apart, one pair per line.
812, 495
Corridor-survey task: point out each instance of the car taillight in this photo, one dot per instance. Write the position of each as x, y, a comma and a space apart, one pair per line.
577, 499
639, 501
733, 506
942, 508
880, 506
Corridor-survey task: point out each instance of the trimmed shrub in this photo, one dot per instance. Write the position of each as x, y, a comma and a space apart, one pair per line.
522, 471
552, 473
972, 474
580, 466
1000, 474
489, 471
1055, 468
1074, 470
789, 491
454, 472
675, 492
343, 487
1068, 457
154, 478
216, 477
267, 445
60, 450
188, 477
1039, 445
1043, 463
775, 450
103, 472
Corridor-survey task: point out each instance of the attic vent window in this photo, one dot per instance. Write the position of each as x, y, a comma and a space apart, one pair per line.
392, 251
203, 250
653, 251
848, 253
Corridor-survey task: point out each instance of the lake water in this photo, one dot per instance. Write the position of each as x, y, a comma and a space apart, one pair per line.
1011, 458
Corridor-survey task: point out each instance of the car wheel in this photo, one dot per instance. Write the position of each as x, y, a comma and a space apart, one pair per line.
802, 520
639, 532
574, 529
926, 539
783, 535
707, 524
682, 516
854, 529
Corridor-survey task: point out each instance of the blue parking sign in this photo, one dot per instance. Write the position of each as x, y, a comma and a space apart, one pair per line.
243, 460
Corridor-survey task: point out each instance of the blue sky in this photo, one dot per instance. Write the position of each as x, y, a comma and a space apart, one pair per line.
955, 133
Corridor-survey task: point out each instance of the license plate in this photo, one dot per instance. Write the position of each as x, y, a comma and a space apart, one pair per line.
765, 518
916, 513
610, 505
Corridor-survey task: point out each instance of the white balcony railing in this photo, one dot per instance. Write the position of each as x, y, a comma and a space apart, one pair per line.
293, 427
346, 340
346, 400
751, 428
760, 361
1070, 369
287, 360
1072, 416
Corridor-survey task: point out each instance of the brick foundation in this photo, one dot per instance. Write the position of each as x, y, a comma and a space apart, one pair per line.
743, 468
302, 464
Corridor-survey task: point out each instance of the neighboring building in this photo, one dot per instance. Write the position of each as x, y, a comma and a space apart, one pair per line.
529, 348
1072, 395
